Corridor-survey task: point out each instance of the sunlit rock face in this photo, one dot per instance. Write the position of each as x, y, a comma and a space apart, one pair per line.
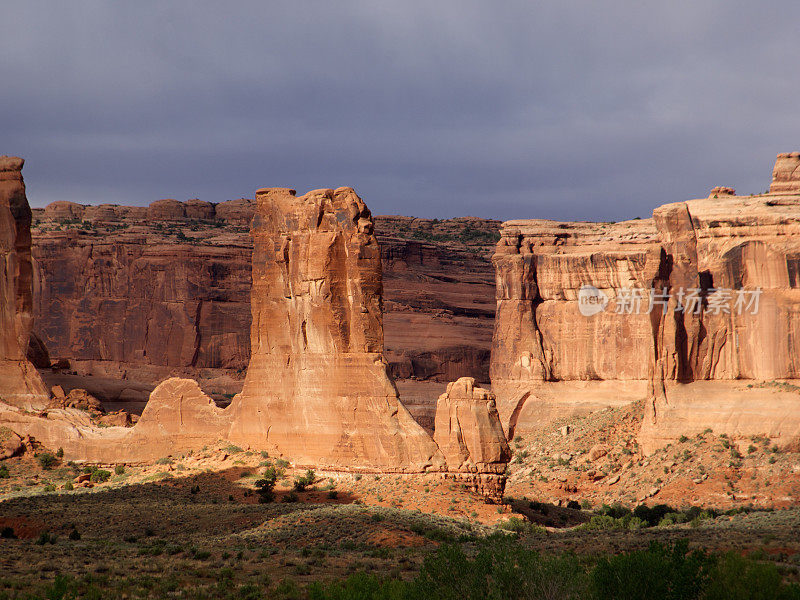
554, 357
471, 438
317, 386
20, 384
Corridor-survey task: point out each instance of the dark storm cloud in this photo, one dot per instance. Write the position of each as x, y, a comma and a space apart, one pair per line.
594, 110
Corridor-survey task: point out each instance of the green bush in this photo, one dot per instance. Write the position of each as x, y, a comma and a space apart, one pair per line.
4, 474
736, 578
265, 487
119, 469
47, 460
301, 483
658, 572
100, 476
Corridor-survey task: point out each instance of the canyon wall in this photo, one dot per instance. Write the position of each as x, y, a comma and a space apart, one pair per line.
694, 310
20, 384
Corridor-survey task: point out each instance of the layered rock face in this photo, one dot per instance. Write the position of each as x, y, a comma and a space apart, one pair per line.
20, 384
139, 293
317, 385
786, 174
700, 352
548, 360
471, 438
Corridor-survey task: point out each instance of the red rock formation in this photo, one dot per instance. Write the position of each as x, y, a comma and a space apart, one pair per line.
20, 384
317, 385
125, 300
550, 360
318, 388
471, 438
786, 174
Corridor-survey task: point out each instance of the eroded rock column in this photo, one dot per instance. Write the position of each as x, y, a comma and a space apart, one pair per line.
317, 386
469, 434
20, 384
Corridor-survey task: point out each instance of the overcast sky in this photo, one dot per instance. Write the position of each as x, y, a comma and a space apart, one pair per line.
565, 110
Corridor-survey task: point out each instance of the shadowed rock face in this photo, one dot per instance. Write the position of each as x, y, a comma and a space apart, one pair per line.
20, 384
317, 385
549, 360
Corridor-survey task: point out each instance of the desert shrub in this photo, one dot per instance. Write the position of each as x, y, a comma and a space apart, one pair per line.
289, 590
100, 476
358, 585
290, 497
652, 515
736, 578
47, 460
301, 483
333, 494
7, 533
666, 573
68, 486
119, 469
617, 511
60, 453
501, 569
46, 538
49, 488
4, 474
74, 535
672, 518
166, 460
265, 487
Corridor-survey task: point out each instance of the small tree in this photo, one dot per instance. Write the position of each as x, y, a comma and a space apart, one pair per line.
301, 483
265, 487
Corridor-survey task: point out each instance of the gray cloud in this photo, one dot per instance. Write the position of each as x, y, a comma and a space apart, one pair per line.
582, 109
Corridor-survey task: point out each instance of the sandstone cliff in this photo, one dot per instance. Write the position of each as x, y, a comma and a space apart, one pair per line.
699, 357
20, 384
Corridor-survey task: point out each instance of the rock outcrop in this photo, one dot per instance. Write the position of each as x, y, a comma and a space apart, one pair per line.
786, 174
20, 384
317, 384
471, 438
694, 310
